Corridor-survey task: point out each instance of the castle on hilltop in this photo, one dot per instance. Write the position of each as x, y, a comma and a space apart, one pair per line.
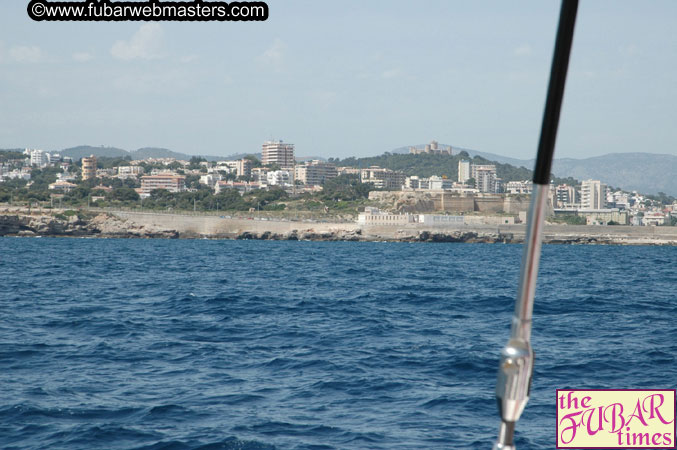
433, 148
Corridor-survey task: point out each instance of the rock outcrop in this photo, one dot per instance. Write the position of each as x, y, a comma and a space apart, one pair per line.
100, 225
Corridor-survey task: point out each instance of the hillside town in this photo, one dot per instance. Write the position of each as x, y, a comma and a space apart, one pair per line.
391, 196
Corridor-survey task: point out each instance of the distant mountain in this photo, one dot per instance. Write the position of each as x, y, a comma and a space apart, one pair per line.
86, 150
153, 152
142, 153
648, 173
20, 150
426, 165
490, 156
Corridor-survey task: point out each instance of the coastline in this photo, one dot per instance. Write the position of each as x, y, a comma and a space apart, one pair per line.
126, 224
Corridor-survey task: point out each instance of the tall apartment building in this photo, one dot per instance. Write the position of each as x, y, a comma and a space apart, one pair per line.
38, 157
314, 173
89, 167
485, 178
463, 171
170, 182
593, 194
278, 152
382, 178
565, 196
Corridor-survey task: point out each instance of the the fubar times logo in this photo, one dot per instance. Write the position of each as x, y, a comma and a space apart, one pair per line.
623, 418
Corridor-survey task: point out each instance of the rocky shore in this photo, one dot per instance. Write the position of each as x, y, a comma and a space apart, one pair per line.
14, 222
76, 225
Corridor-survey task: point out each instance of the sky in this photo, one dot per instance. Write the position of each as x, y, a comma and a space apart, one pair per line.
349, 78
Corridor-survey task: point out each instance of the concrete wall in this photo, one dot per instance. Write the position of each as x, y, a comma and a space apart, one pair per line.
489, 204
445, 201
217, 226
515, 205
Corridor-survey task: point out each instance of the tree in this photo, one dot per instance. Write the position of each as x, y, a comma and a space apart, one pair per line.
195, 162
192, 181
255, 161
346, 188
124, 194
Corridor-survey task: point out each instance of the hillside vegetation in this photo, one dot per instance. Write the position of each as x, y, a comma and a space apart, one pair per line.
426, 165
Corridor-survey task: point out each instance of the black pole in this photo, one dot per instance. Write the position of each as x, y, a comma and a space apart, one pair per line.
553, 103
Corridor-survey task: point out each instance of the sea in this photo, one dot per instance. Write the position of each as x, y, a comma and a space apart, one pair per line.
248, 345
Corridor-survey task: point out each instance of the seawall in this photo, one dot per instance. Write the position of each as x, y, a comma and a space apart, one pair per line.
125, 224
238, 228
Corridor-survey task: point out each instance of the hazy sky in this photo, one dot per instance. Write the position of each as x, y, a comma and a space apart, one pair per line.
344, 78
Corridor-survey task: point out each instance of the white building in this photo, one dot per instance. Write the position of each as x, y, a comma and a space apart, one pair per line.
415, 182
260, 174
241, 167
210, 179
348, 170
170, 182
314, 173
62, 186
485, 178
278, 152
279, 178
373, 216
240, 186
38, 157
383, 178
129, 171
440, 183
463, 171
22, 174
618, 199
655, 218
593, 194
566, 196
65, 176
519, 187
439, 220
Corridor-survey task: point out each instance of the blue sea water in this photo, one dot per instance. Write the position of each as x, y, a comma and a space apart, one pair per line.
159, 344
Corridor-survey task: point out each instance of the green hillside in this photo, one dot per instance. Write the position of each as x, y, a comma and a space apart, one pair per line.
425, 165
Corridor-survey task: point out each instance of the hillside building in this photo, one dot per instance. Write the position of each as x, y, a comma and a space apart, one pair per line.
129, 171
169, 182
241, 167
279, 178
315, 173
383, 178
89, 167
433, 148
38, 157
